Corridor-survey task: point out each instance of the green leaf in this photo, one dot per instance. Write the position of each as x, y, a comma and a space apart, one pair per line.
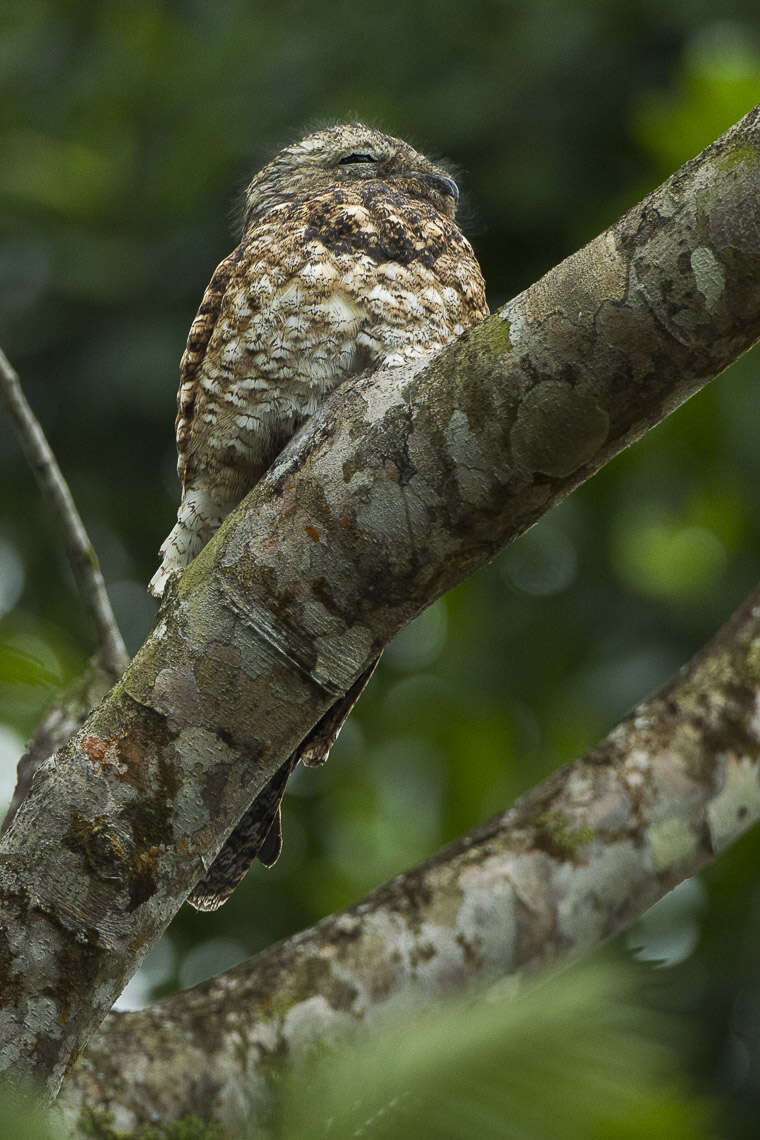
20, 668
575, 1057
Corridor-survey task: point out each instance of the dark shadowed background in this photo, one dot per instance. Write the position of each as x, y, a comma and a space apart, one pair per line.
126, 134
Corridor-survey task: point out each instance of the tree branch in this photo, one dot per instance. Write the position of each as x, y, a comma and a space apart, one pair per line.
404, 483
111, 653
574, 861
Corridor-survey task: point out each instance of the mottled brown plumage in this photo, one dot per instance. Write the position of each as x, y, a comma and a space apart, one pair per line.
350, 258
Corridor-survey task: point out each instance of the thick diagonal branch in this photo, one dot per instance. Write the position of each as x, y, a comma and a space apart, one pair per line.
404, 484
573, 862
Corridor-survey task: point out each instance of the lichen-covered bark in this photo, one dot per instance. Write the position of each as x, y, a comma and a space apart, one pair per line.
573, 862
401, 486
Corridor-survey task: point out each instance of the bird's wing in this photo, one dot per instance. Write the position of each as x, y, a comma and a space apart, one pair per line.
195, 350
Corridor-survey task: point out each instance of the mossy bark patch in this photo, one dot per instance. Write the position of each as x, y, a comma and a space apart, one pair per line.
558, 430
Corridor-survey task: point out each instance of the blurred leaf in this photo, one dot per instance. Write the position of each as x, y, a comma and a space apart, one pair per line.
575, 1057
22, 1116
20, 668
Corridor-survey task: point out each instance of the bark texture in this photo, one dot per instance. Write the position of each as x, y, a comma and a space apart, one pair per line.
573, 862
401, 486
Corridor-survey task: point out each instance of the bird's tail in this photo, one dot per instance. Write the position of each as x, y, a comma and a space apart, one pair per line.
198, 517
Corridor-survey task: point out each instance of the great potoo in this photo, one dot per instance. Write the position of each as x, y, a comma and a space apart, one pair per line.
350, 258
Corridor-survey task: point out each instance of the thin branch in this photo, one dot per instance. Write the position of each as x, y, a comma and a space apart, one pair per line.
573, 862
112, 653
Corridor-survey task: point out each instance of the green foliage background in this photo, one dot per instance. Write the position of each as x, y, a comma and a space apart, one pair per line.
126, 133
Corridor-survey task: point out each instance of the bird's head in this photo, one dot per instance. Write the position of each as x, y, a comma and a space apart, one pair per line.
345, 155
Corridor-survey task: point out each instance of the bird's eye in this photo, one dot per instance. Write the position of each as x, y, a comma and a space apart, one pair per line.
356, 158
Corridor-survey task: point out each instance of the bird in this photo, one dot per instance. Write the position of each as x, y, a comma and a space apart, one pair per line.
350, 259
